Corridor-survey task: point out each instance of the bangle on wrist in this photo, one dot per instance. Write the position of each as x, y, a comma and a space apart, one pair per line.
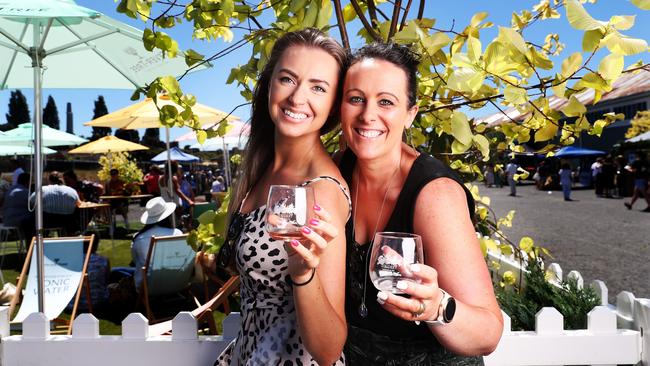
292, 283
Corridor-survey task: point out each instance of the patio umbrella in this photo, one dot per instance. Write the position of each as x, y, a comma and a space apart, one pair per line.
70, 46
107, 145
175, 154
144, 114
576, 152
10, 150
24, 135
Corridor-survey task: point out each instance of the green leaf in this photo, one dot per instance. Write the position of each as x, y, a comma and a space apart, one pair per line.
349, 14
201, 136
515, 95
623, 45
622, 22
574, 108
170, 84
642, 4
611, 66
459, 148
571, 64
526, 244
579, 18
148, 39
435, 42
207, 217
594, 81
192, 57
465, 80
168, 114
311, 15
483, 145
324, 14
460, 129
547, 132
473, 49
591, 39
511, 36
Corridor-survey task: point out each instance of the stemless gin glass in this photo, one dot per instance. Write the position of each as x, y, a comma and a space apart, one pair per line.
288, 209
391, 258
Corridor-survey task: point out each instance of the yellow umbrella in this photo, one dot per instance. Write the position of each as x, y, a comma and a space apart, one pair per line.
145, 115
107, 144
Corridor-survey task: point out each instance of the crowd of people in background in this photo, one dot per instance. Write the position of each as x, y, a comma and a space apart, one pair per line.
610, 177
64, 192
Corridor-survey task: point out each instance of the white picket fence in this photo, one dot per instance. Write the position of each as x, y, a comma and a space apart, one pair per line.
615, 335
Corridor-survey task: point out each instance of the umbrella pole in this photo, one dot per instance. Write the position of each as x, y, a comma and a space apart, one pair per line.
38, 162
226, 162
170, 187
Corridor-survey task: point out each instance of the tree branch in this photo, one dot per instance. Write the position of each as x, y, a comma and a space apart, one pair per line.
406, 13
421, 9
394, 19
341, 24
363, 20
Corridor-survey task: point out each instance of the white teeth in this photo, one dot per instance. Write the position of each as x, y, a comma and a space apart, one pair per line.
294, 115
369, 133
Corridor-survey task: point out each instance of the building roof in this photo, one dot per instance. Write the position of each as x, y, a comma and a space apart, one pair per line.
628, 84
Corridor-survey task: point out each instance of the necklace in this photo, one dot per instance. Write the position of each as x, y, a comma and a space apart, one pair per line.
363, 310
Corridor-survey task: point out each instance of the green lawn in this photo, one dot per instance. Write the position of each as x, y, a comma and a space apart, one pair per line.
117, 251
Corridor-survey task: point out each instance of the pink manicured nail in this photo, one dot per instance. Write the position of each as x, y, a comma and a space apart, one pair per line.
316, 207
294, 243
306, 230
313, 222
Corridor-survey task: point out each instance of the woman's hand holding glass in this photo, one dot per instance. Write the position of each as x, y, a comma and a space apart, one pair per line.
396, 268
294, 217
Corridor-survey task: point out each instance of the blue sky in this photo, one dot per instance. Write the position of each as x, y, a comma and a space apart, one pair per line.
210, 88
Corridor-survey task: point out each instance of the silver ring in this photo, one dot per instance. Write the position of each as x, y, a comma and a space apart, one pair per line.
420, 311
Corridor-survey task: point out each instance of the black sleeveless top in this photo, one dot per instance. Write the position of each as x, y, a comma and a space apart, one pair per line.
425, 169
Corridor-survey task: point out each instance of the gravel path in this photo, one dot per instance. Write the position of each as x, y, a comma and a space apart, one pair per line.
598, 237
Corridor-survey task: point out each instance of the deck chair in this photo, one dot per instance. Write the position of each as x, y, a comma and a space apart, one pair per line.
204, 311
65, 265
167, 270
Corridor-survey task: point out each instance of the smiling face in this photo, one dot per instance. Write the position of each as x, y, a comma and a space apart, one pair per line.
302, 90
375, 108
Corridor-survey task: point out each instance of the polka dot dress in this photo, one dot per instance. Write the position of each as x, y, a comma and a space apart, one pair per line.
269, 333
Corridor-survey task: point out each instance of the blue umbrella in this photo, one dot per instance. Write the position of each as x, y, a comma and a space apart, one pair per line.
175, 154
577, 152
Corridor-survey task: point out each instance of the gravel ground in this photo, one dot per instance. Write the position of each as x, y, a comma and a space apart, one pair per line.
598, 237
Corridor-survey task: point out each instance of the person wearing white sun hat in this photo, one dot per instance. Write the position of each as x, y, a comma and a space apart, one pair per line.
157, 222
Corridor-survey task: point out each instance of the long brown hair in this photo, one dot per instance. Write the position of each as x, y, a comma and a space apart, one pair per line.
260, 148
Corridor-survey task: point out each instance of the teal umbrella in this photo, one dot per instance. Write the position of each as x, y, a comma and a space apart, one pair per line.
24, 135
11, 150
70, 46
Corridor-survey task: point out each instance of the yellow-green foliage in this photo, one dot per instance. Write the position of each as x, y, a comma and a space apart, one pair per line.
640, 124
460, 68
127, 168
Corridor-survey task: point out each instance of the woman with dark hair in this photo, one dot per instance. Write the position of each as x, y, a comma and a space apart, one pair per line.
292, 299
452, 311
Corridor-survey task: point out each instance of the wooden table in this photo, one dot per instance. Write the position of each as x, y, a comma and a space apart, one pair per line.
131, 197
88, 212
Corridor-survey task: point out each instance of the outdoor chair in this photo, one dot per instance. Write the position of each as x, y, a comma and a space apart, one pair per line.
205, 311
167, 271
65, 266
200, 208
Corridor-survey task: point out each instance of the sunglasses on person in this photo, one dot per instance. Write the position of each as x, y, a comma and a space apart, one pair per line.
226, 256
